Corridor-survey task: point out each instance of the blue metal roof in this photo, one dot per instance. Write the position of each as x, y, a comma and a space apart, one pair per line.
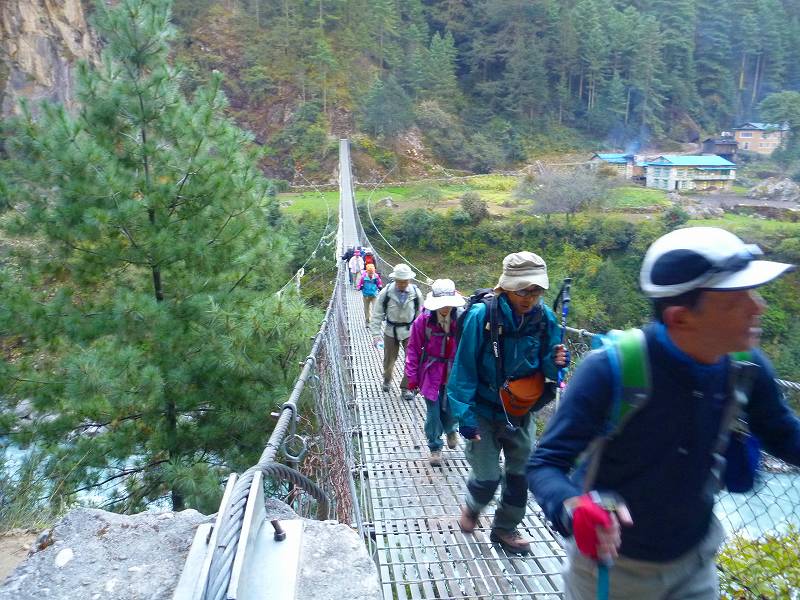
620, 159
750, 125
679, 160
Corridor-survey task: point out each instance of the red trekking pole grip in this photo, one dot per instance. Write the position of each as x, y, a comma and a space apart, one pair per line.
587, 516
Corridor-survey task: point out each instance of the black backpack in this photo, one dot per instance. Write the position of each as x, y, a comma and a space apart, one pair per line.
493, 325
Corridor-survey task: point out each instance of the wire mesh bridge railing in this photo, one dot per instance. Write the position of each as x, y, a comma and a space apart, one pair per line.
365, 464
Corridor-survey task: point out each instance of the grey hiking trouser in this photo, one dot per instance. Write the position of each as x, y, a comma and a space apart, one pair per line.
692, 576
368, 302
391, 348
484, 458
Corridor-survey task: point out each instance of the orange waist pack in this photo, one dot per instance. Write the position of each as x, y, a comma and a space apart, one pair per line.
520, 395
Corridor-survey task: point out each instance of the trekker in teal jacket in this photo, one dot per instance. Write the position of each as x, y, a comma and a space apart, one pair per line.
493, 419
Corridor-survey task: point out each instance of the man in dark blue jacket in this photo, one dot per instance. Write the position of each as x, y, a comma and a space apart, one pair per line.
663, 537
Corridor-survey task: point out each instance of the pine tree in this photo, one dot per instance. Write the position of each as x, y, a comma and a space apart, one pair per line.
714, 81
142, 295
440, 71
646, 78
676, 19
526, 79
387, 109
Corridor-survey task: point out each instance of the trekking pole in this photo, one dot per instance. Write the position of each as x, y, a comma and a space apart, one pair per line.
564, 298
602, 579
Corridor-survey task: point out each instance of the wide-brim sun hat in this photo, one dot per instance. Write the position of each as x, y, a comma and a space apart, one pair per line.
706, 258
521, 270
402, 271
443, 293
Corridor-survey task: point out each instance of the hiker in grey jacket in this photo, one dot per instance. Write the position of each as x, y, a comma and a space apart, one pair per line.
647, 501
398, 304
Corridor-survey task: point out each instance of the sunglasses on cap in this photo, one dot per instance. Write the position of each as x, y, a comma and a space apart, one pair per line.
737, 262
528, 292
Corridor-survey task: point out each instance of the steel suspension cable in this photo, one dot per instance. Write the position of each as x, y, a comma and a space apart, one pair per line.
428, 278
325, 236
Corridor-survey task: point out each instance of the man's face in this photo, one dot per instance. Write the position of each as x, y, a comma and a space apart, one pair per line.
728, 321
401, 284
522, 304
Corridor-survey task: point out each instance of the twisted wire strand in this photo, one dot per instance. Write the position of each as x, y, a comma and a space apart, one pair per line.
230, 529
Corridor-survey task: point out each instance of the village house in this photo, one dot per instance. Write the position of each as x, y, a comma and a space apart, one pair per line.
679, 172
762, 138
628, 166
724, 146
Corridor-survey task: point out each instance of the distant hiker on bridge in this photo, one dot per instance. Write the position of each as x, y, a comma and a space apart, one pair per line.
348, 254
355, 265
638, 510
429, 358
370, 285
398, 304
492, 393
369, 257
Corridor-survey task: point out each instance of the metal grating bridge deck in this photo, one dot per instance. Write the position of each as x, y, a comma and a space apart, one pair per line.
413, 508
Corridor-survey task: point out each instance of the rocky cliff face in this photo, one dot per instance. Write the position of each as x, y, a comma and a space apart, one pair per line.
41, 42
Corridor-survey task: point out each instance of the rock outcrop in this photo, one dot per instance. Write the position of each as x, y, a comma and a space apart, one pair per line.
41, 42
97, 555
94, 554
776, 189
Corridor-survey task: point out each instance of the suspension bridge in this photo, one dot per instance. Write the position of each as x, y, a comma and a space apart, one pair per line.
370, 470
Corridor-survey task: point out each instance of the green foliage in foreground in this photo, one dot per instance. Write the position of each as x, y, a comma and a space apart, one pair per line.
143, 308
765, 568
24, 495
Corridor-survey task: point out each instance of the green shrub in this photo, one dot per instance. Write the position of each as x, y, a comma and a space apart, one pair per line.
474, 206
765, 568
674, 217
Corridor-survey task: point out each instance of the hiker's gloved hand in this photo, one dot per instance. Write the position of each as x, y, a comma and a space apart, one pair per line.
561, 355
468, 432
596, 520
377, 342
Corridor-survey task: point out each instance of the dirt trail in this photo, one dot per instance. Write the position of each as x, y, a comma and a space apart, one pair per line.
13, 550
722, 199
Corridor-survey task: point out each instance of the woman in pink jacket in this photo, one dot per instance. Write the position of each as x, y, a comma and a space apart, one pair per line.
429, 356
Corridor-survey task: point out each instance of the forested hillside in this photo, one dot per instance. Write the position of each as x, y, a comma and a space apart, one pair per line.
490, 82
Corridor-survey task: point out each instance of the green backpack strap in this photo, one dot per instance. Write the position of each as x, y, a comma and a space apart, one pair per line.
634, 382
631, 386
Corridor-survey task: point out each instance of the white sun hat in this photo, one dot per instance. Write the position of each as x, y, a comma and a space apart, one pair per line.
402, 272
443, 293
707, 258
522, 270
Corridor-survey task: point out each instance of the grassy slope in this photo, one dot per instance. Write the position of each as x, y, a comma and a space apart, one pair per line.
496, 190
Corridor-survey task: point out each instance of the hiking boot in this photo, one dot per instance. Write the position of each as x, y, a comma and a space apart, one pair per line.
468, 519
511, 541
436, 458
452, 440
407, 395
385, 387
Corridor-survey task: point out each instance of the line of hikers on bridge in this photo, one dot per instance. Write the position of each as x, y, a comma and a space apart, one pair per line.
651, 426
